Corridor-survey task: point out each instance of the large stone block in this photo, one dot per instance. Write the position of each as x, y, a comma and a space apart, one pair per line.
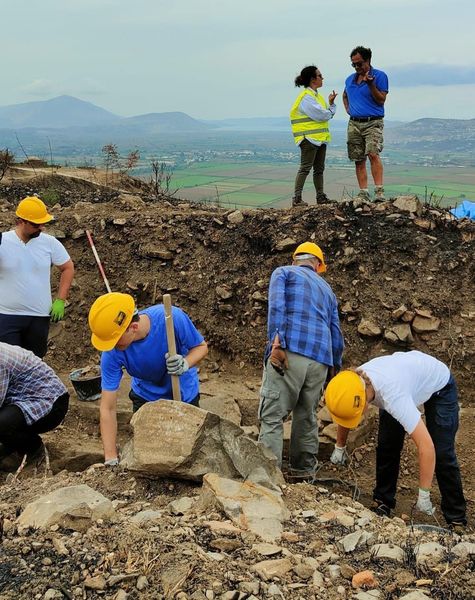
249, 505
175, 439
222, 405
74, 507
409, 204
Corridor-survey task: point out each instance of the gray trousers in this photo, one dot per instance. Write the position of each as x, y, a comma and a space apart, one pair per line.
310, 156
297, 391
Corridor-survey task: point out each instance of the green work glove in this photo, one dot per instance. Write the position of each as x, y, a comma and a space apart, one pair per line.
57, 310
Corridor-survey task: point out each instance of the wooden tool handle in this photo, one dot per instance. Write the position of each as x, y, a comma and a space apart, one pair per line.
167, 303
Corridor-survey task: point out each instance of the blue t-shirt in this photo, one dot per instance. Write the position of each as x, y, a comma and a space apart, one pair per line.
360, 99
144, 360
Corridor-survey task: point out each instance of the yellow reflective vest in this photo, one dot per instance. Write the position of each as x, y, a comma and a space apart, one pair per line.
305, 127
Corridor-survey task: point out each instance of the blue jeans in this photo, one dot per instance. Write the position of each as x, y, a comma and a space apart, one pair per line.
442, 421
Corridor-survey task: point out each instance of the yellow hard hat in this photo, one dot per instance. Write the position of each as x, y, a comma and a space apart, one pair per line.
33, 209
345, 398
314, 250
109, 317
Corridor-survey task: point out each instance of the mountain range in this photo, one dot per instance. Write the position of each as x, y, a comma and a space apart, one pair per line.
66, 111
74, 123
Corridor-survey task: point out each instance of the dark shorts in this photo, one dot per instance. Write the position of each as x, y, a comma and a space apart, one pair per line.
25, 331
364, 138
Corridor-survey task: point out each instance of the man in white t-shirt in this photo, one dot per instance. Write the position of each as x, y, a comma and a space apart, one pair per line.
26, 256
400, 384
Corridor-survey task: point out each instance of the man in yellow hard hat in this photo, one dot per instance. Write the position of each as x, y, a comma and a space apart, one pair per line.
400, 385
26, 256
304, 342
136, 341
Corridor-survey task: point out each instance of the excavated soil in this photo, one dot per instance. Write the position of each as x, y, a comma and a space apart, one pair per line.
216, 265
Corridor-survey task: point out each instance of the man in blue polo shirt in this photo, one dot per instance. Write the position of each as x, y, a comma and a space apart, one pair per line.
304, 343
137, 342
364, 97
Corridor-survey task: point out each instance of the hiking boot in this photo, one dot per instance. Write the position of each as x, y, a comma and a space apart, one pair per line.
379, 194
297, 201
381, 509
322, 198
363, 195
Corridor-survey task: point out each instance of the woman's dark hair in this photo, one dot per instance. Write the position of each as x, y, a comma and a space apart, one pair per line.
306, 75
365, 53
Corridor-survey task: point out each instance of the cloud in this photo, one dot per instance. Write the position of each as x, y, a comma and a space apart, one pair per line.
40, 87
415, 75
88, 87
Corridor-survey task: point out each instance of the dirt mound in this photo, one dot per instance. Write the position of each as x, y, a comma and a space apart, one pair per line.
216, 264
66, 186
403, 280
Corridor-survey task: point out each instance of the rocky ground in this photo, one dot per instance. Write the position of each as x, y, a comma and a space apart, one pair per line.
404, 276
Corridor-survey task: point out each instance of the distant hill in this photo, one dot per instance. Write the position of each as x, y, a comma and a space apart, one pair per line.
164, 122
66, 112
434, 135
78, 127
63, 111
276, 124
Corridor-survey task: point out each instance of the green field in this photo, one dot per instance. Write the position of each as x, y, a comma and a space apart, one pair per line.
250, 185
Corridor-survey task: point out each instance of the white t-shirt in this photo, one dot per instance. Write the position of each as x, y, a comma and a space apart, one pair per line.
25, 269
403, 381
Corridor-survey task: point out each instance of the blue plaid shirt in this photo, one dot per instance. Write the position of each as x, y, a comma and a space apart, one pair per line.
303, 312
27, 382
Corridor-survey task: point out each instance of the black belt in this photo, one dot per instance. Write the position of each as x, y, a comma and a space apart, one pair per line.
364, 119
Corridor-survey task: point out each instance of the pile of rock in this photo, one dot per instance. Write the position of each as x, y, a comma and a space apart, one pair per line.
232, 540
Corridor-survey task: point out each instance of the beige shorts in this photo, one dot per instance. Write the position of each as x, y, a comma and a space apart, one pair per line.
364, 138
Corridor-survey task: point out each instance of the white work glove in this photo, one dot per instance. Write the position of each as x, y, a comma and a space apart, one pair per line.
339, 456
176, 364
423, 502
112, 462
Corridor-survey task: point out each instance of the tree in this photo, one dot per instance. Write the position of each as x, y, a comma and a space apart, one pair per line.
111, 158
129, 162
160, 179
7, 159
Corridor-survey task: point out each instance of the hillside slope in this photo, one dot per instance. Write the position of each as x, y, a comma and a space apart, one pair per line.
379, 258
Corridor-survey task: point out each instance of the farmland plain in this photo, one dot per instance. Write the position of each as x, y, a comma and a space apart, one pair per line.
246, 185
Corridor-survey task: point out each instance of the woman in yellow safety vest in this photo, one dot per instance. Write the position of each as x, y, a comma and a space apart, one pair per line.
309, 118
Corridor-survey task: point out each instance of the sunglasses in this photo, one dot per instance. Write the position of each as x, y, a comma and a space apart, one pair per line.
360, 63
35, 225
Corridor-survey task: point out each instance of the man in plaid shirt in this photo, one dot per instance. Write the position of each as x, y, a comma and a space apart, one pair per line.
33, 400
304, 343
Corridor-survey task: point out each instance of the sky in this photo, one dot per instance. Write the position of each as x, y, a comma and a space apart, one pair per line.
216, 59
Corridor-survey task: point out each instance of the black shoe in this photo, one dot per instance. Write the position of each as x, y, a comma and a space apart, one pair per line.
10, 462
322, 198
37, 457
4, 452
458, 527
381, 509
